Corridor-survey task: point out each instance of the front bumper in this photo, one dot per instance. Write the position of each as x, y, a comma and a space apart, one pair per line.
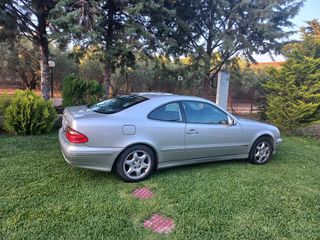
277, 142
82, 156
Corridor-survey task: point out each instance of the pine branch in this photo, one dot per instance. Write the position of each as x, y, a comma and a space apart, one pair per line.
23, 18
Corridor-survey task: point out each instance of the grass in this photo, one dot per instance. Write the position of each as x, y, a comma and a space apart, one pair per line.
41, 197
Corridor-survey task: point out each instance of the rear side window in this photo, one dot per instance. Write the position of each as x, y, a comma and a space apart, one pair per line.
117, 104
169, 112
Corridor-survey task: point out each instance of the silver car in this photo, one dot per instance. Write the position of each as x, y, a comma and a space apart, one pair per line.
139, 133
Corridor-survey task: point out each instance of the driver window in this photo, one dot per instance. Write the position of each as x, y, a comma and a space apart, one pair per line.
201, 112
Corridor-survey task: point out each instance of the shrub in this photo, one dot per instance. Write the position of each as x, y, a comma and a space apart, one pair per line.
292, 104
294, 90
29, 114
290, 112
77, 91
5, 101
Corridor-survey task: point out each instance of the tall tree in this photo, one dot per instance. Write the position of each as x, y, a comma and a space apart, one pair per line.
103, 24
294, 90
213, 31
31, 21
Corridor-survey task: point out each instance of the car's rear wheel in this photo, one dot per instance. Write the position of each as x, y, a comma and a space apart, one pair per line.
136, 163
261, 151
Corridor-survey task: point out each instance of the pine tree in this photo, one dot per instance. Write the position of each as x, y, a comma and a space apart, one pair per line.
105, 26
294, 91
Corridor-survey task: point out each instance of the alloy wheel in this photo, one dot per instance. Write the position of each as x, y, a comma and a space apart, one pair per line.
262, 152
137, 164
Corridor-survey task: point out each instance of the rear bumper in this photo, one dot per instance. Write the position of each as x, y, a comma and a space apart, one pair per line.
82, 156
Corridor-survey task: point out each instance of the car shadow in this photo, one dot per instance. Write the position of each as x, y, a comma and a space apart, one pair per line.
200, 166
111, 177
93, 175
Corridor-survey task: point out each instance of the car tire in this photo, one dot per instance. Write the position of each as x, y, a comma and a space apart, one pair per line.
261, 151
136, 163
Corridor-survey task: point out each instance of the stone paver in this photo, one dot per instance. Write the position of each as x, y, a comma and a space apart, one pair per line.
159, 224
143, 193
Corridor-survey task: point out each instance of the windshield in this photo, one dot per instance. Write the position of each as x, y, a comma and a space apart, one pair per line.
117, 104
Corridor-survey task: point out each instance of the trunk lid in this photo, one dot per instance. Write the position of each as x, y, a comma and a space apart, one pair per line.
72, 113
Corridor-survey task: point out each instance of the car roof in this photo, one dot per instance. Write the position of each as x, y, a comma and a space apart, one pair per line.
150, 95
167, 96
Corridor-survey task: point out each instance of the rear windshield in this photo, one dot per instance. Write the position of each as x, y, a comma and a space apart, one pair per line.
117, 104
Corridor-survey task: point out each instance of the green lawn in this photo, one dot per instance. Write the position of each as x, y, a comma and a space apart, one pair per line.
42, 197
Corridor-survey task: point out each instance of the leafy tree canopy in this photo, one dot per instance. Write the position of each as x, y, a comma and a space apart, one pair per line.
227, 27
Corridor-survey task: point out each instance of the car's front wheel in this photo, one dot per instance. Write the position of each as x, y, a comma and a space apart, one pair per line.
261, 151
136, 163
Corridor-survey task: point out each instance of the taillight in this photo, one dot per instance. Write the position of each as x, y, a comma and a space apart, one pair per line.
75, 137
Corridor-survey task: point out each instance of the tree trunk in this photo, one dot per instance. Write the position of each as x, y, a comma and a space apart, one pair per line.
127, 83
23, 76
206, 87
44, 68
42, 41
107, 77
33, 83
108, 34
252, 99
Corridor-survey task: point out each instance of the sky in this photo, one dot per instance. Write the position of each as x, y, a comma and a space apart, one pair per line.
309, 11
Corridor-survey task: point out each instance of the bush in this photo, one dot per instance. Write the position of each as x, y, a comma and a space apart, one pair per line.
293, 95
291, 106
29, 114
5, 101
294, 90
78, 91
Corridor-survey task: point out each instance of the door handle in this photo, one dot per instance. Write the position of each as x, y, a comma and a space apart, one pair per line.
192, 131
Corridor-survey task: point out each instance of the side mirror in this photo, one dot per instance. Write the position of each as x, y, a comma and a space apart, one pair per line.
231, 121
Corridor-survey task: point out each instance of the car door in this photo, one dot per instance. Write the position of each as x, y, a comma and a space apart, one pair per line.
167, 128
208, 133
